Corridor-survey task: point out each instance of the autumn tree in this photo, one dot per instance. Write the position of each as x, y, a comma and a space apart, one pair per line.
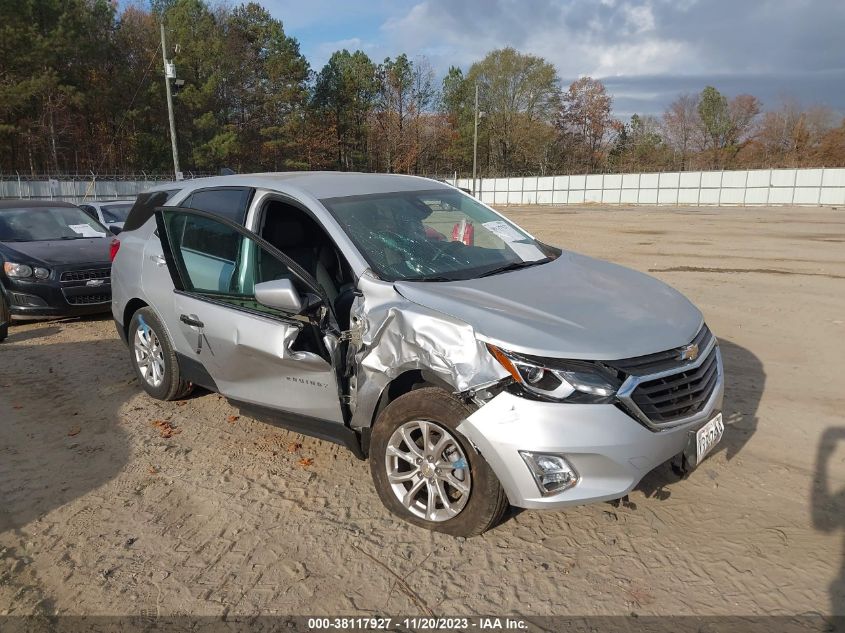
726, 126
81, 89
519, 96
830, 151
586, 119
639, 145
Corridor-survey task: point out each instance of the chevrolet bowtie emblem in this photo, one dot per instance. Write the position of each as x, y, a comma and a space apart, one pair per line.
690, 352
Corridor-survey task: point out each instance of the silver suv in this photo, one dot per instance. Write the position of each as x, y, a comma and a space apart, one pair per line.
472, 364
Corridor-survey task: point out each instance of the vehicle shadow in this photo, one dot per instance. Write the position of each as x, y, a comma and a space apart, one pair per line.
16, 335
745, 380
828, 509
60, 437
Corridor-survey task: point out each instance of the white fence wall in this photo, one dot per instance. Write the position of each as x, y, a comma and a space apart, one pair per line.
716, 188
76, 189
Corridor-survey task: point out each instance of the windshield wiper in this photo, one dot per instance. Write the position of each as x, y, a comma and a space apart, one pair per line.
435, 278
515, 266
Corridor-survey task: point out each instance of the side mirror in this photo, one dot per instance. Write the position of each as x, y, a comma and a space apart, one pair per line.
279, 294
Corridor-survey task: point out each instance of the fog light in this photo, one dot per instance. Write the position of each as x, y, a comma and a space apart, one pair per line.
27, 301
552, 473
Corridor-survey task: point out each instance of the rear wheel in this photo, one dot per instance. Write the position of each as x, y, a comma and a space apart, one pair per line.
426, 472
153, 358
5, 317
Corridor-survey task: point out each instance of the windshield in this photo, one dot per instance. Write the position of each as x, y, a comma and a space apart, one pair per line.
438, 235
116, 212
47, 223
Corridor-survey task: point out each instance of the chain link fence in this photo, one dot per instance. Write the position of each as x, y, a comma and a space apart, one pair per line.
80, 187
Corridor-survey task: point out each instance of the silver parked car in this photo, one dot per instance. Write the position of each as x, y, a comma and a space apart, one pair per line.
472, 364
111, 213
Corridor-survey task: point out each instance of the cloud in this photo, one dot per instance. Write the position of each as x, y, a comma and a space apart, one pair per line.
649, 48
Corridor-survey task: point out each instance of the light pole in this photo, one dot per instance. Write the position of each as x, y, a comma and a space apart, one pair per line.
475, 141
169, 73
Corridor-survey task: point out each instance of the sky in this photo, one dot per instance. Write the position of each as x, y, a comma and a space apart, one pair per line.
645, 51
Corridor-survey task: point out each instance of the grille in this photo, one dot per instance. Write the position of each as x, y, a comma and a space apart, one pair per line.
661, 361
675, 397
85, 275
79, 300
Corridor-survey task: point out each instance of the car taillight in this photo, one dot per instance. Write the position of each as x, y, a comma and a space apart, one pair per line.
114, 246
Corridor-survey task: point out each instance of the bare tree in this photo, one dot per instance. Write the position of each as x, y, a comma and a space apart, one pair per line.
681, 124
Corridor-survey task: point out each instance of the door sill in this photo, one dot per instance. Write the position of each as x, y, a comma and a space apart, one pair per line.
327, 430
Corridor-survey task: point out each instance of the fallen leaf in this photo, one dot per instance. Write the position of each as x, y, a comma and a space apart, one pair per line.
152, 470
233, 418
165, 429
306, 461
181, 403
74, 430
293, 447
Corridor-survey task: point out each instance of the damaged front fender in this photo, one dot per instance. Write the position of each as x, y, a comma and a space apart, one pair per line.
397, 336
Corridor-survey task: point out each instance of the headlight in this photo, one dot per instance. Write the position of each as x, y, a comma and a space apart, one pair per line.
559, 380
17, 270
40, 273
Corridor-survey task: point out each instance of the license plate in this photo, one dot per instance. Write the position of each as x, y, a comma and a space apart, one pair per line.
707, 437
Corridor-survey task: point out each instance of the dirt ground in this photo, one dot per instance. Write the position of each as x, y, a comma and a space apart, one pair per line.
100, 513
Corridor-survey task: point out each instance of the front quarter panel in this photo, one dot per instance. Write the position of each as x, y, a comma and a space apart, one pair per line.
398, 336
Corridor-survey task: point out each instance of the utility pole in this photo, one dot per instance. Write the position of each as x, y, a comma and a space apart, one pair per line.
167, 76
475, 141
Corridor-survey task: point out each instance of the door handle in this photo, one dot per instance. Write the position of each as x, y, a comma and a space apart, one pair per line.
190, 320
158, 260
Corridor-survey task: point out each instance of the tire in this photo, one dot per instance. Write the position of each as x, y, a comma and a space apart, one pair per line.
159, 376
5, 317
405, 420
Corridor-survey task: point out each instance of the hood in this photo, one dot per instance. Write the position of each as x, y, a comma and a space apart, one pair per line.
573, 307
60, 252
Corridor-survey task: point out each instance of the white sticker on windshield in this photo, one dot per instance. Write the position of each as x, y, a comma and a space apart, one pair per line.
85, 230
504, 230
528, 252
513, 238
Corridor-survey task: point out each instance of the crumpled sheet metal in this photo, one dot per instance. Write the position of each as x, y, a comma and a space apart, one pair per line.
400, 336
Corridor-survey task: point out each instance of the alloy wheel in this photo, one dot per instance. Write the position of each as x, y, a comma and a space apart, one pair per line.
149, 355
428, 470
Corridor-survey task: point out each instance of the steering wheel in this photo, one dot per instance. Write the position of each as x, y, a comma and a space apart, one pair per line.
445, 248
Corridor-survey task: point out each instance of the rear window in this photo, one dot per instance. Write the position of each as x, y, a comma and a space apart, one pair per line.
144, 207
116, 212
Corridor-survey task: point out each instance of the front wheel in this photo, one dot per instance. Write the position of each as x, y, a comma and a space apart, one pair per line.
426, 472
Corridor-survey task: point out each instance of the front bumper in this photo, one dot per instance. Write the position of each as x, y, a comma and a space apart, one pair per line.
54, 297
609, 449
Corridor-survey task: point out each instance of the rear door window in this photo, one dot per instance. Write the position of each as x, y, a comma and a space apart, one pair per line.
228, 202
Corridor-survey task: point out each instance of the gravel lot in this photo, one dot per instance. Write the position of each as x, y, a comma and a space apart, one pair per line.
102, 514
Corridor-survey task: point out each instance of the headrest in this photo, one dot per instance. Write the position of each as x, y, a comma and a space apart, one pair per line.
286, 234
